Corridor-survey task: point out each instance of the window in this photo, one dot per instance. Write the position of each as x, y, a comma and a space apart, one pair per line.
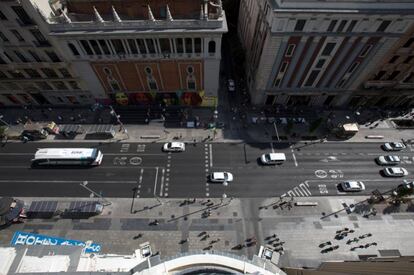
197, 45
408, 77
141, 46
95, 47
3, 37
43, 85
163, 12
342, 25
393, 75
118, 46
104, 47
3, 75
23, 16
2, 16
379, 75
17, 35
152, 84
365, 50
188, 45
86, 47
320, 63
39, 37
32, 73
351, 26
60, 85
53, 56
132, 46
165, 45
74, 85
35, 56
212, 47
409, 42
328, 49
353, 67
300, 24
283, 67
49, 72
15, 73
2, 61
9, 57
408, 59
65, 73
312, 77
21, 56
383, 25
179, 45
277, 82
341, 83
290, 49
393, 59
332, 25
73, 49
150, 45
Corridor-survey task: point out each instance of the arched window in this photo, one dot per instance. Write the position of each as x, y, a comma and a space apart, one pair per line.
212, 47
73, 49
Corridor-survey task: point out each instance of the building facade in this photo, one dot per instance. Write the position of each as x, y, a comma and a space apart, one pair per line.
134, 52
327, 53
32, 70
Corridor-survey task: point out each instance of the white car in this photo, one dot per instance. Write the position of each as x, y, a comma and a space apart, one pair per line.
388, 160
174, 147
352, 186
272, 158
221, 177
395, 172
393, 146
231, 86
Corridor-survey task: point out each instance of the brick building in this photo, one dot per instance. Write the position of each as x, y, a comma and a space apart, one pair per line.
328, 53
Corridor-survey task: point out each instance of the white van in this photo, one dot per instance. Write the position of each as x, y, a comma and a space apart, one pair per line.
273, 158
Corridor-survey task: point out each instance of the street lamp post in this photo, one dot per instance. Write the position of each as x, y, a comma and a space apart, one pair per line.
84, 183
118, 120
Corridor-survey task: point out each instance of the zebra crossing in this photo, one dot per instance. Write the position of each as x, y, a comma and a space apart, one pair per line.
302, 190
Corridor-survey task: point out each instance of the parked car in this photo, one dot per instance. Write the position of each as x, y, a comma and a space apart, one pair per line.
352, 186
174, 147
221, 177
395, 172
388, 160
231, 86
393, 146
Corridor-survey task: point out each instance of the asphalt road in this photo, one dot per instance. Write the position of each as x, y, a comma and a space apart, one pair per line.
310, 170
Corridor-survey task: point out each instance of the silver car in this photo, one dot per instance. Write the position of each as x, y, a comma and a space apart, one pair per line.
393, 146
395, 172
352, 186
388, 160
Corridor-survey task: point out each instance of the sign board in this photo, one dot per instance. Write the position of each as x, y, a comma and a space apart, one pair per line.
23, 238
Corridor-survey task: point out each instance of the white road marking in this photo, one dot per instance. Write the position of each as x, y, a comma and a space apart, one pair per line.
155, 182
162, 182
305, 189
140, 182
294, 158
211, 155
298, 191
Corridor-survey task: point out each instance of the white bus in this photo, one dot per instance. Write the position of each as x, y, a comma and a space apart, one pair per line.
67, 156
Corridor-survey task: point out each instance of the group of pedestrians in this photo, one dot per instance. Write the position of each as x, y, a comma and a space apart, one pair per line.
342, 234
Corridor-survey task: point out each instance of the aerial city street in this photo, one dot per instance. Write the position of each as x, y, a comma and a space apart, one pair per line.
207, 137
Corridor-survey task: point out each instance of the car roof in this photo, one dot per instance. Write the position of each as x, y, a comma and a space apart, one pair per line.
218, 174
176, 144
353, 184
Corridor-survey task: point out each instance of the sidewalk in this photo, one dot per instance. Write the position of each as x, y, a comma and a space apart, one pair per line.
244, 125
